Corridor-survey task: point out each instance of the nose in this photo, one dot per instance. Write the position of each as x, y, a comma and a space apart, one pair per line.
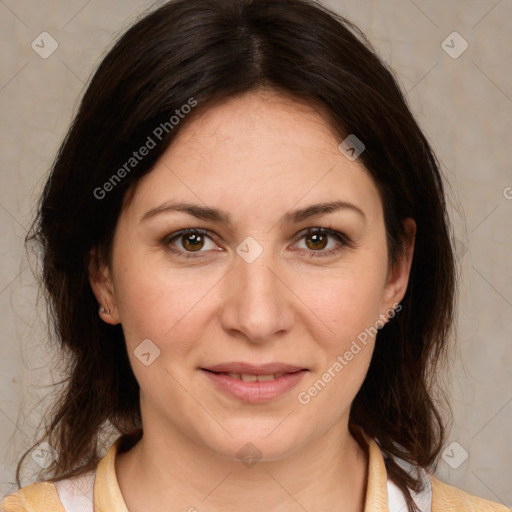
258, 303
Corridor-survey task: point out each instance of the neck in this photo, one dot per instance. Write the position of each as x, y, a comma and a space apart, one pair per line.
163, 473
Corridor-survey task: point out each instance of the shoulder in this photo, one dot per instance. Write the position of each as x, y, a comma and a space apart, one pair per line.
40, 496
73, 492
447, 498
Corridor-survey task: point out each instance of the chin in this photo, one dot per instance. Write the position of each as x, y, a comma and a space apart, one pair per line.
251, 445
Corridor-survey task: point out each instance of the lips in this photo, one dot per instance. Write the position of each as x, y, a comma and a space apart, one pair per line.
249, 377
254, 384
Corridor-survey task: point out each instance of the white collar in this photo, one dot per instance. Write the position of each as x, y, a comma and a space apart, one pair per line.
77, 494
422, 500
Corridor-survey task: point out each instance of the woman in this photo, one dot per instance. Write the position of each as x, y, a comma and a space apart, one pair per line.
246, 250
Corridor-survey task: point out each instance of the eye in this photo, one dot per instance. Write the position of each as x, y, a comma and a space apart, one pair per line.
317, 240
189, 241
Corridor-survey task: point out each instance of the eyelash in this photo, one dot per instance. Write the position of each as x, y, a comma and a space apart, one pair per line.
342, 238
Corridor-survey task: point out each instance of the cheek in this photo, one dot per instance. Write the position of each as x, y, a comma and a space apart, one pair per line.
160, 303
349, 310
348, 300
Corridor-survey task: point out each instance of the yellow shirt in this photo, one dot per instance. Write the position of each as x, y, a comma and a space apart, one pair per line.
44, 496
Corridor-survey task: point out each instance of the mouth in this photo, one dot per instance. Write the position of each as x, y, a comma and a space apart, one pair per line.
253, 384
251, 377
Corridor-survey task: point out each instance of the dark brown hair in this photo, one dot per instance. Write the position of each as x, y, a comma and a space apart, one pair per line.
209, 50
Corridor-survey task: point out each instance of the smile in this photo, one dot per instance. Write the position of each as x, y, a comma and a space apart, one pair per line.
252, 388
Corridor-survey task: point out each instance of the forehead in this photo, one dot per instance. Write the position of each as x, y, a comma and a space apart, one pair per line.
245, 122
257, 153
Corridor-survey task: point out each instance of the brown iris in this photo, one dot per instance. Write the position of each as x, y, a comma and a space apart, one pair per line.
319, 241
192, 242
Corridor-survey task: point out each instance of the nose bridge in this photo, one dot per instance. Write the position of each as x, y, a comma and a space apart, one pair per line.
257, 303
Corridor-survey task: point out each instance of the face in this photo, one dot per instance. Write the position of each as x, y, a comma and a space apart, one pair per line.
261, 278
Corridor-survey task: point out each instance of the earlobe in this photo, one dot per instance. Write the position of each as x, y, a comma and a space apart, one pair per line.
99, 279
398, 275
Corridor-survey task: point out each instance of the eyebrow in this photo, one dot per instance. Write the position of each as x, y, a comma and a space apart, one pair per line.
217, 215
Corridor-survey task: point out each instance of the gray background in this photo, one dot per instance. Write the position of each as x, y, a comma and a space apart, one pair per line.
464, 105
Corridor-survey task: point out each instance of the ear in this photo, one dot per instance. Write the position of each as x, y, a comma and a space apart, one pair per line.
398, 275
102, 287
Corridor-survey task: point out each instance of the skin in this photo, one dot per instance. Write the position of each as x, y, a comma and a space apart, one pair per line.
257, 156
